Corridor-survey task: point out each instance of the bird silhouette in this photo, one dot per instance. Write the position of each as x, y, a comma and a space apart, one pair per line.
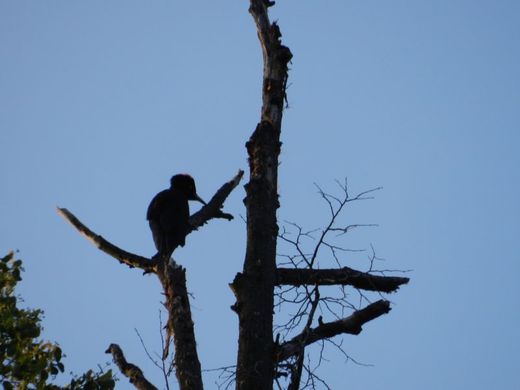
168, 214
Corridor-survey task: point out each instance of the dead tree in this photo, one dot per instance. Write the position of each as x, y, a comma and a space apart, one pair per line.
261, 286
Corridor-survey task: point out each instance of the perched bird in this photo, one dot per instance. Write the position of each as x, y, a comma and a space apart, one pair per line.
169, 213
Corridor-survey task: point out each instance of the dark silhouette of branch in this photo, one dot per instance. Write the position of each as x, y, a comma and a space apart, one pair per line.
297, 368
131, 371
340, 276
226, 377
155, 363
214, 207
161, 366
312, 378
349, 325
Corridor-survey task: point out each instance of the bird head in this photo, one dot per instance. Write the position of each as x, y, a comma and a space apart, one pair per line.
186, 185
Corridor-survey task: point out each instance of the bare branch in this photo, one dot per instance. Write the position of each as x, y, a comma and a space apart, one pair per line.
131, 371
226, 377
124, 257
350, 325
362, 195
214, 207
342, 276
146, 350
312, 377
346, 229
297, 369
335, 209
162, 366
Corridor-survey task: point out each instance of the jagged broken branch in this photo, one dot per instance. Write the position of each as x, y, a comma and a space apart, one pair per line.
214, 207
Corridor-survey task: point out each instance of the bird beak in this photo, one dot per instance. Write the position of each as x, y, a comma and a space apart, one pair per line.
199, 199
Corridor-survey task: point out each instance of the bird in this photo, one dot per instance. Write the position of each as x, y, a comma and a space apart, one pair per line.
169, 212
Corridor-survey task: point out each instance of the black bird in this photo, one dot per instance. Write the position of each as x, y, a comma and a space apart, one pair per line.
169, 213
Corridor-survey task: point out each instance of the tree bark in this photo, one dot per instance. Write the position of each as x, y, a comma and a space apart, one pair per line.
254, 286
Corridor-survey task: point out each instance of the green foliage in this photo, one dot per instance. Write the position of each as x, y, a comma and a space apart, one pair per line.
25, 361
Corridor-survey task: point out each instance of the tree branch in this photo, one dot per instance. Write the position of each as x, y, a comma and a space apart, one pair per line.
341, 276
296, 372
131, 371
124, 257
349, 325
214, 207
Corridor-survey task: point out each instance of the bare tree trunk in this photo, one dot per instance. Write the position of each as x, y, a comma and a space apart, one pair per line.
254, 286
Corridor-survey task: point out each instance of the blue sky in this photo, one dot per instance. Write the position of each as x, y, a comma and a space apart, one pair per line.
101, 102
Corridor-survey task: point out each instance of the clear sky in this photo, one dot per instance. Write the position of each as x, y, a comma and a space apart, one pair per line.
101, 102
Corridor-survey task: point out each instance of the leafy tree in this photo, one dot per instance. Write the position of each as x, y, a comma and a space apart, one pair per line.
26, 361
